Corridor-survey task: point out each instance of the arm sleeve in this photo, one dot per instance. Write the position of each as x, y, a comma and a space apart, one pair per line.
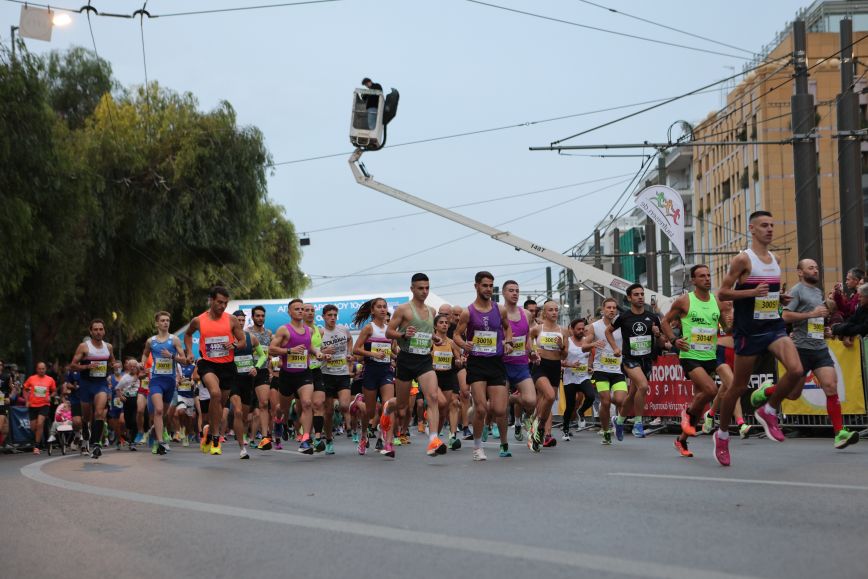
261, 356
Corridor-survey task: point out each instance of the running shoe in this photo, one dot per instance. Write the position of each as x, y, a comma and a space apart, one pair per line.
388, 450
681, 447
163, 448
371, 432
549, 441
352, 434
264, 444
278, 445
354, 405
185, 442
845, 438
639, 430
36, 450
96, 452
607, 437
379, 444
330, 447
581, 425
363, 446
535, 431
222, 439
386, 416
519, 436
758, 397
176, 437
566, 436
467, 434
284, 432
154, 449
769, 422
454, 442
420, 427
244, 455
708, 423
396, 441
495, 431
721, 449
319, 445
504, 451
744, 430
686, 426
619, 429
479, 455
356, 437
405, 438
305, 447
216, 449
138, 439
436, 447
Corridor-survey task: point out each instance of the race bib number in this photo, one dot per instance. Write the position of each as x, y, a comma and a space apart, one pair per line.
164, 366
99, 370
816, 328
702, 339
185, 386
420, 343
485, 342
217, 346
377, 347
442, 360
766, 307
296, 361
275, 363
640, 345
2, 399
519, 346
337, 363
549, 341
40, 391
578, 373
244, 364
610, 363
144, 385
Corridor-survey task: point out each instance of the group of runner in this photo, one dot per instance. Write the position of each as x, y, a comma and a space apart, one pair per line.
470, 366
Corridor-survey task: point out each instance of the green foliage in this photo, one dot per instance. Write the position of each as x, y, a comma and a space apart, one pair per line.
120, 203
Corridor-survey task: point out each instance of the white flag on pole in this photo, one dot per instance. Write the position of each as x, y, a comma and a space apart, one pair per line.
664, 206
35, 23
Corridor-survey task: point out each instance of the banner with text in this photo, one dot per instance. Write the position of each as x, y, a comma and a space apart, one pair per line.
665, 207
851, 392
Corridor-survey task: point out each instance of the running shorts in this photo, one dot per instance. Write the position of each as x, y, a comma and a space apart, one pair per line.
290, 382
756, 344
605, 381
813, 359
447, 380
242, 386
224, 371
410, 366
377, 374
488, 369
517, 373
332, 384
689, 365
550, 369
39, 411
645, 363
88, 389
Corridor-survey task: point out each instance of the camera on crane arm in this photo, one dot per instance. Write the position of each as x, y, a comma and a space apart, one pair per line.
372, 111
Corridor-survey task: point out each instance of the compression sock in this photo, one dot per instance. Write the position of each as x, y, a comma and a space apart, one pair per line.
833, 407
318, 423
96, 431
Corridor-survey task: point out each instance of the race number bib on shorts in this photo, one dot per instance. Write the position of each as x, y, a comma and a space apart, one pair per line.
118, 402
442, 361
816, 328
766, 307
296, 361
185, 386
217, 346
164, 366
420, 343
244, 364
99, 369
377, 347
640, 345
702, 339
485, 342
549, 341
519, 346
610, 363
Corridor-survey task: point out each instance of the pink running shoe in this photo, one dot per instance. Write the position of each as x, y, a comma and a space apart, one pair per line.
354, 405
277, 445
363, 445
721, 449
388, 450
769, 422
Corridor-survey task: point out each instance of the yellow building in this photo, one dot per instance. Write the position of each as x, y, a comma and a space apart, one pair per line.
731, 181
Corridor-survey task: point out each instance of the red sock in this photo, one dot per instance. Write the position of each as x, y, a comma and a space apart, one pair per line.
833, 407
711, 412
770, 391
739, 421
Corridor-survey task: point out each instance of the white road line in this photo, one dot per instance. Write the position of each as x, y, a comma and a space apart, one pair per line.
578, 560
775, 483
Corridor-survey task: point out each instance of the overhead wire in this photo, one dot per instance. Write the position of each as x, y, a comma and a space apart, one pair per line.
606, 30
242, 8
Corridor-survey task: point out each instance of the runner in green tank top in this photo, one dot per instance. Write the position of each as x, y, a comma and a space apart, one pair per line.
698, 312
412, 325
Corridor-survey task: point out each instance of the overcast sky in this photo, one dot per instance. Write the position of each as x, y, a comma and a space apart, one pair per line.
460, 66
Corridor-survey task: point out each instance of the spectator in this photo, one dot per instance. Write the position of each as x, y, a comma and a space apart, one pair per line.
857, 324
38, 390
372, 102
5, 394
847, 305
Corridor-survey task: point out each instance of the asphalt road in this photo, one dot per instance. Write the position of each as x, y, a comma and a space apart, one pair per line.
634, 509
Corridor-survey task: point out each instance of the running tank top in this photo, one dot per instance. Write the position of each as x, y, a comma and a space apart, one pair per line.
244, 361
605, 360
420, 343
316, 342
163, 366
293, 362
264, 336
759, 315
699, 329
485, 332
100, 356
442, 356
576, 370
215, 336
339, 339
520, 330
378, 342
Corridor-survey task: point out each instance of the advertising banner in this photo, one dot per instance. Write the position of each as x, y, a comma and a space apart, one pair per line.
851, 392
666, 208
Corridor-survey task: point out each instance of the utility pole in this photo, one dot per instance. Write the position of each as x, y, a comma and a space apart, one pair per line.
805, 155
616, 243
849, 160
651, 253
664, 241
598, 263
548, 282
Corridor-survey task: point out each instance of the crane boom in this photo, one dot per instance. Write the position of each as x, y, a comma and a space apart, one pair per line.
582, 271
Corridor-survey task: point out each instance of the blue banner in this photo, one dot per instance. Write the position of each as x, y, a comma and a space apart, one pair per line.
19, 425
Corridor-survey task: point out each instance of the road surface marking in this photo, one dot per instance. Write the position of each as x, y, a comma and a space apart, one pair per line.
776, 483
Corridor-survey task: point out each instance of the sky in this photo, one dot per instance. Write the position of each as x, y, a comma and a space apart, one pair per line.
460, 67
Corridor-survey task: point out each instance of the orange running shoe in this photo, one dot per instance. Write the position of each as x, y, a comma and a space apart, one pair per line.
436, 447
421, 427
681, 447
687, 428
